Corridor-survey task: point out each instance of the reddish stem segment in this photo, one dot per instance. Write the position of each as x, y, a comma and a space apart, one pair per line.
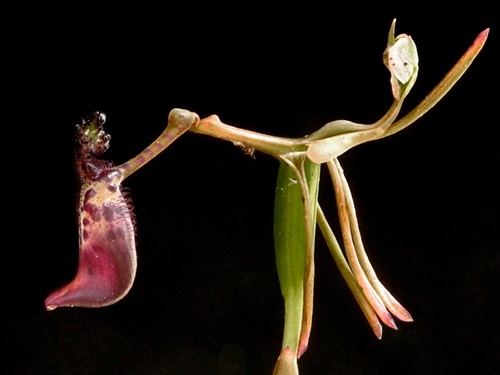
179, 121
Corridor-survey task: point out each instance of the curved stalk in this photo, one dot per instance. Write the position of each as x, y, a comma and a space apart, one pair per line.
269, 144
442, 87
179, 122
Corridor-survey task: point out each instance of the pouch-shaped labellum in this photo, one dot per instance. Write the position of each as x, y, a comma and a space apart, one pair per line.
107, 256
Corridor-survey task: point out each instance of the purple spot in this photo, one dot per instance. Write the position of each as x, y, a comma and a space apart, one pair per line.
149, 152
141, 160
85, 234
85, 221
93, 210
108, 212
90, 170
96, 250
120, 233
89, 194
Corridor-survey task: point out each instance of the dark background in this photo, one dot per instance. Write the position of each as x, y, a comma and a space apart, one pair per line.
206, 298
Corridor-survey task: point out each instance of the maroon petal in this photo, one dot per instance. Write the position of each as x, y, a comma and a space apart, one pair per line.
107, 259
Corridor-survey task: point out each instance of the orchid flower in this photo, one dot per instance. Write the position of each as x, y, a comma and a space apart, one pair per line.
107, 261
107, 249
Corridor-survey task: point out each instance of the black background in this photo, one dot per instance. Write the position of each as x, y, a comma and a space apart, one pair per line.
206, 298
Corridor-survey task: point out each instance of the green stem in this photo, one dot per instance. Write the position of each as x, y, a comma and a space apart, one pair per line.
289, 243
295, 218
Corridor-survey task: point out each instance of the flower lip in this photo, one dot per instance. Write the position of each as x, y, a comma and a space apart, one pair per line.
107, 255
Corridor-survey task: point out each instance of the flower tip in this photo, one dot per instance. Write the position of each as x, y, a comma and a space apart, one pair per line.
405, 317
402, 314
49, 307
377, 330
389, 321
302, 349
49, 302
484, 33
481, 38
105, 274
92, 290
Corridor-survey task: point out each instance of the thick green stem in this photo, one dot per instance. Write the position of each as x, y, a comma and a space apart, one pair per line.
294, 224
289, 243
